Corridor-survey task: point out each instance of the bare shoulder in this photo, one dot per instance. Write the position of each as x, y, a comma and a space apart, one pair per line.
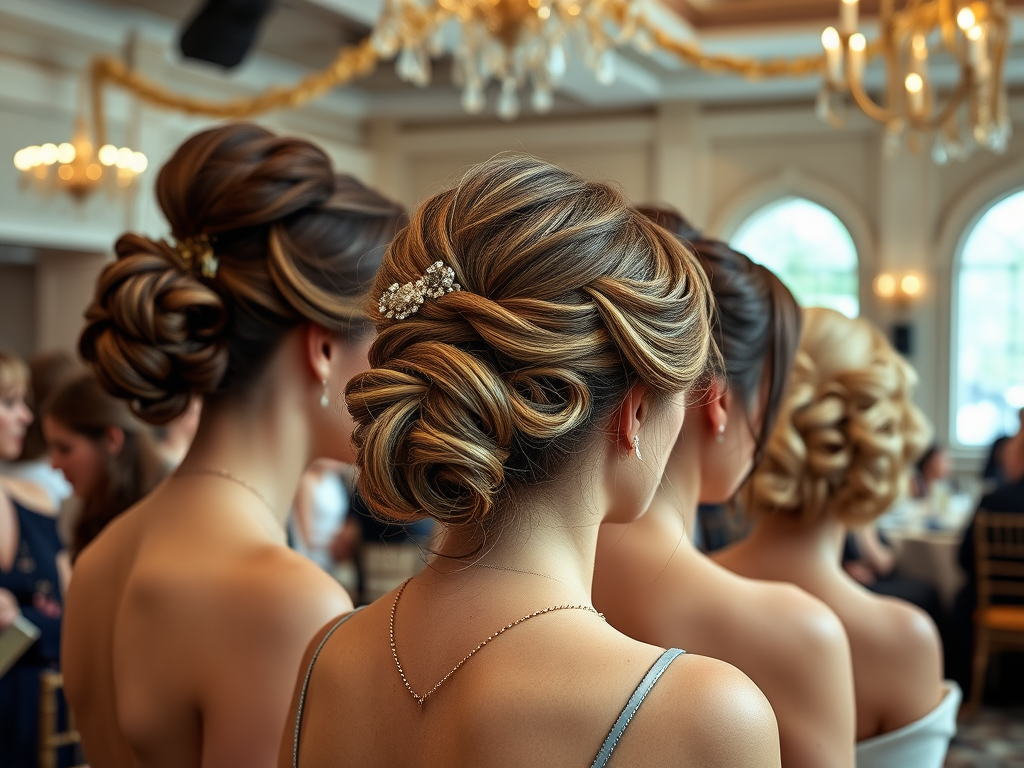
700, 699
910, 636
275, 586
790, 618
29, 495
901, 644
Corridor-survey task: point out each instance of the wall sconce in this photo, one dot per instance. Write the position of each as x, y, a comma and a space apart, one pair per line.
900, 288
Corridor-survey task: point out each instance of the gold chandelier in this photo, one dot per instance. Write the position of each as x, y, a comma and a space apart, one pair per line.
519, 44
76, 167
972, 36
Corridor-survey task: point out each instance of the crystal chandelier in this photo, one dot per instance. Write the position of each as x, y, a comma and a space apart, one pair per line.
518, 44
972, 35
76, 168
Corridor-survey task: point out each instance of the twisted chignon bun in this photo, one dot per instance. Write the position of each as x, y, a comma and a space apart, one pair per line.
569, 296
294, 242
847, 433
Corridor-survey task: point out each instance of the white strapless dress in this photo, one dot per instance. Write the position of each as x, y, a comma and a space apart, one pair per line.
921, 744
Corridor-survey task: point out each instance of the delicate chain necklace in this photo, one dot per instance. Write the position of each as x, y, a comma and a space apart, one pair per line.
421, 698
518, 570
228, 476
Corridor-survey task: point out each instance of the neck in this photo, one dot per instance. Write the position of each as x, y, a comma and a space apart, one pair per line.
816, 544
553, 539
257, 442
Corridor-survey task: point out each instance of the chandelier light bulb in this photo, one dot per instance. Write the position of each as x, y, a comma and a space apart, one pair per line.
914, 83
65, 153
108, 154
974, 33
966, 18
544, 12
66, 172
830, 39
48, 154
124, 158
858, 42
138, 164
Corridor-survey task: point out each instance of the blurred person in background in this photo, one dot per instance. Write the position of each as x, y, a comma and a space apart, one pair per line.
1009, 497
841, 453
933, 478
47, 371
188, 616
33, 575
320, 510
107, 455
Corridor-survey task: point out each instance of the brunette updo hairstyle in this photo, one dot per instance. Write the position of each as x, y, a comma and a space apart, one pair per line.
847, 434
82, 406
756, 322
295, 243
569, 297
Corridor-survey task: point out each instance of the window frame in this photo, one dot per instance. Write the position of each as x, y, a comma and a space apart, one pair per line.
953, 327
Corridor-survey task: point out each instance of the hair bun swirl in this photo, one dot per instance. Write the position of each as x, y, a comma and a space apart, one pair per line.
154, 332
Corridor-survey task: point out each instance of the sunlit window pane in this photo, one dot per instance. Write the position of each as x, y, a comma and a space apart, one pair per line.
810, 250
989, 376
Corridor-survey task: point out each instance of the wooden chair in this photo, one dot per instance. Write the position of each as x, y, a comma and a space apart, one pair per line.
999, 556
51, 738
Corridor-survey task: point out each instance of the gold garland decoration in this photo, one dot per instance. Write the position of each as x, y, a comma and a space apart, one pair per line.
361, 59
352, 61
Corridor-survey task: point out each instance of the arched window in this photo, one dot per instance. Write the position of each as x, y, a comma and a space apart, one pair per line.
989, 375
810, 250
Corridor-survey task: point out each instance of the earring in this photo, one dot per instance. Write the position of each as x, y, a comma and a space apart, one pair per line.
636, 447
720, 437
325, 398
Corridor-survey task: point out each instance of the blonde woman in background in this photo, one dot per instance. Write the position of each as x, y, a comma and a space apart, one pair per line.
537, 339
841, 453
187, 617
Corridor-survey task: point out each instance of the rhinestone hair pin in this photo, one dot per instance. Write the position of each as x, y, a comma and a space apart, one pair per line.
400, 301
197, 252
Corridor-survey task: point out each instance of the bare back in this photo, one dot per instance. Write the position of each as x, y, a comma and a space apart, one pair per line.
895, 647
184, 630
790, 644
545, 694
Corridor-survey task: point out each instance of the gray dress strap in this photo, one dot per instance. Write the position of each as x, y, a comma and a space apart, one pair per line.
655, 672
309, 674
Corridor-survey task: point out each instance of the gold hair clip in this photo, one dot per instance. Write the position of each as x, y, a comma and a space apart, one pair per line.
400, 301
195, 250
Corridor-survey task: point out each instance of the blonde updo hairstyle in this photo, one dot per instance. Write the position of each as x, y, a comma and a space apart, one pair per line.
294, 243
569, 297
847, 434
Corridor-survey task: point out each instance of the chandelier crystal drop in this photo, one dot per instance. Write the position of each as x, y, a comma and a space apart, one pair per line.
517, 44
973, 35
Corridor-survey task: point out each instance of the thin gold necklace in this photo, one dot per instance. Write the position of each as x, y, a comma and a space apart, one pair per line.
401, 672
228, 476
518, 570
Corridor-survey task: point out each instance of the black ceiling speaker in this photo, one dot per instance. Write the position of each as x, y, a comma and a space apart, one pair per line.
223, 31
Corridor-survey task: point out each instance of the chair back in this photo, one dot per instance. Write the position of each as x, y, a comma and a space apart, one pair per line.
51, 737
999, 555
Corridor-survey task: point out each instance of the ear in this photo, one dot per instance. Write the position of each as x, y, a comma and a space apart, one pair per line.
632, 415
321, 350
717, 405
113, 440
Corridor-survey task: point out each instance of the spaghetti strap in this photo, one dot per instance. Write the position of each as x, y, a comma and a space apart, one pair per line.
655, 672
309, 674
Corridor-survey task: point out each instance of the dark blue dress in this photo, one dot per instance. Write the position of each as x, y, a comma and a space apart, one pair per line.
35, 583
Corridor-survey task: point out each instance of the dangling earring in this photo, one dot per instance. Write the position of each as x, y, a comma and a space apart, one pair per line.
720, 437
325, 398
636, 447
